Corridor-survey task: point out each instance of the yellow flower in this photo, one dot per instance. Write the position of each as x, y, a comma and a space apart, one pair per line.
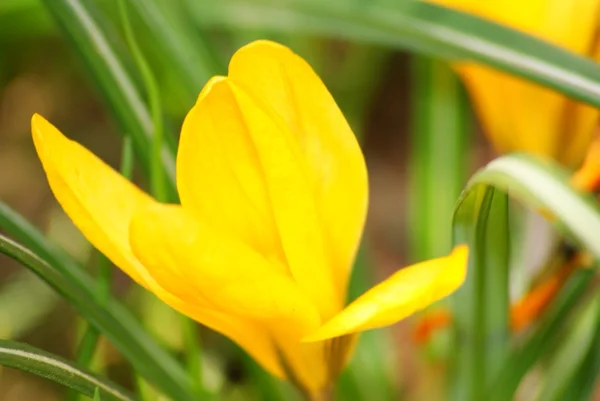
273, 191
522, 116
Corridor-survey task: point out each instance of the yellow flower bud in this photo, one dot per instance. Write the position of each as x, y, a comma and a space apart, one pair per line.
521, 116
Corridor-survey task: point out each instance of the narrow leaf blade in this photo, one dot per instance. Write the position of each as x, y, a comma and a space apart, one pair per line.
30, 359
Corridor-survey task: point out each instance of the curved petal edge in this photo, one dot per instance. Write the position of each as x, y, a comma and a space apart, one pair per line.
407, 291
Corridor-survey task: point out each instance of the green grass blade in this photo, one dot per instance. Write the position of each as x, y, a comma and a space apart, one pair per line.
544, 185
481, 307
184, 49
420, 27
585, 377
496, 302
88, 32
566, 360
87, 347
330, 19
467, 381
114, 321
157, 181
23, 20
542, 340
29, 359
438, 150
540, 185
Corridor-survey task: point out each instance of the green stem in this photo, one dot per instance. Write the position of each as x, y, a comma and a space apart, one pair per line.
438, 164
193, 350
158, 184
127, 158
157, 169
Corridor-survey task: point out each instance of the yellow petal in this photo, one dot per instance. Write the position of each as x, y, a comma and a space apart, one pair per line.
517, 116
582, 128
305, 365
312, 366
228, 286
335, 165
587, 177
101, 203
266, 195
251, 335
219, 176
520, 116
201, 264
98, 200
406, 292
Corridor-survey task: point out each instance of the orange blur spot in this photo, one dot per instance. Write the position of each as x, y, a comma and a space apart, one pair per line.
430, 323
534, 303
587, 177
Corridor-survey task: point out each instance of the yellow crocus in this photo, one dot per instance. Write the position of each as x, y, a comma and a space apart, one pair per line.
273, 190
522, 116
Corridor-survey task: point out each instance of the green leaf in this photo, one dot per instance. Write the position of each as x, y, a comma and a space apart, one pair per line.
156, 174
544, 338
543, 185
18, 316
585, 377
540, 185
113, 320
32, 360
438, 146
93, 39
493, 231
23, 20
416, 26
565, 360
184, 50
482, 305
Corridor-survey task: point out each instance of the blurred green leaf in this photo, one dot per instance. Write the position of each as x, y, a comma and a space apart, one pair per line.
539, 185
23, 19
18, 316
494, 233
482, 305
543, 186
571, 353
437, 159
113, 320
582, 387
32, 360
419, 27
180, 45
268, 387
156, 173
543, 339
93, 39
